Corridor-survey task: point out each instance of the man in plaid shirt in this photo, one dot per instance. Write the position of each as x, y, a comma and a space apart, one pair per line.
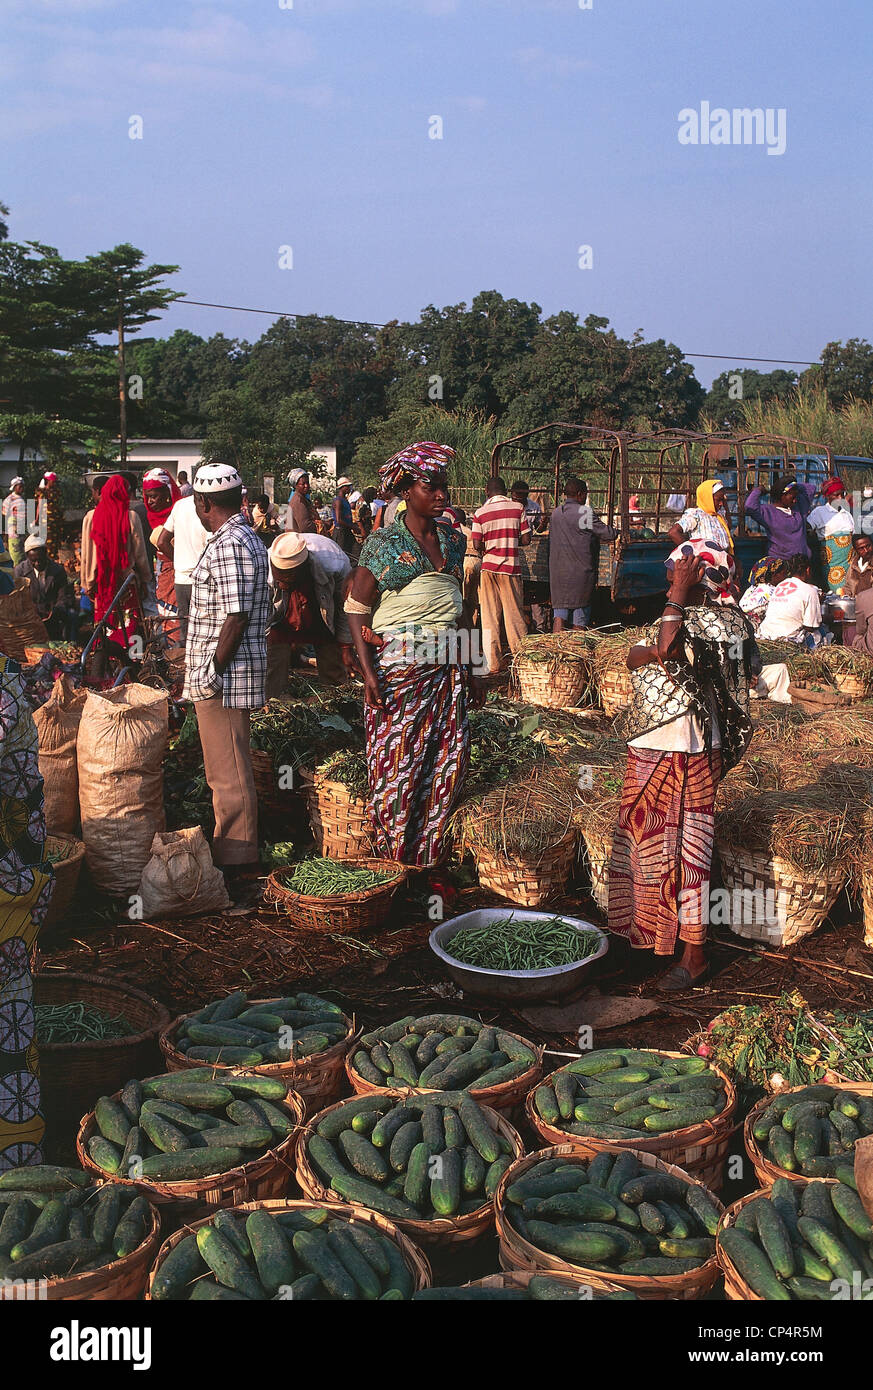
226, 663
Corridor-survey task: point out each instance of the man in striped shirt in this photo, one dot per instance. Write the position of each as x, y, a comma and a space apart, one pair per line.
500, 526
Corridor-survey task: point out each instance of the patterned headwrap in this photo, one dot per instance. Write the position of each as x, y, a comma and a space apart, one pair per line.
719, 565
419, 461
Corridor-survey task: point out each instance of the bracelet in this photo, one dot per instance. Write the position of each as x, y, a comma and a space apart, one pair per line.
671, 603
671, 618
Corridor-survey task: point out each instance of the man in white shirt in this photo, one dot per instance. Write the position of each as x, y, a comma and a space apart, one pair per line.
794, 611
182, 539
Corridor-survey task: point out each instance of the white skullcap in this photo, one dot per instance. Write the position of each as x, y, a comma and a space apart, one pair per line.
216, 477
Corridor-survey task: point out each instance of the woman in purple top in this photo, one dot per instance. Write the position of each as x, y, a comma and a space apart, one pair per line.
783, 518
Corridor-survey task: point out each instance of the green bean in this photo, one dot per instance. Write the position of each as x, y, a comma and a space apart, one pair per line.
329, 878
539, 944
77, 1022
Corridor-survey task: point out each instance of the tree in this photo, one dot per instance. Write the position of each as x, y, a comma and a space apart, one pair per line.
258, 439
471, 434
846, 372
725, 401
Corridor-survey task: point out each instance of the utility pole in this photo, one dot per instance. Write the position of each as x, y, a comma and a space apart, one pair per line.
122, 380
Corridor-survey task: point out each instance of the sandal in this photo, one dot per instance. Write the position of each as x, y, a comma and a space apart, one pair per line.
678, 979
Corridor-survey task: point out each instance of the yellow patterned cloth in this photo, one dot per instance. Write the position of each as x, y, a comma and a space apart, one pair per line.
25, 890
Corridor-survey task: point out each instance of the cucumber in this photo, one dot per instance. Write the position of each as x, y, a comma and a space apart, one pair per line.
473, 1171
314, 1251
399, 1278
197, 1095
236, 1056
595, 1113
775, 1238
271, 1248
209, 1290
404, 1141
585, 1205
810, 1290
226, 1263
795, 1113
753, 1265
658, 1265
371, 1246
460, 1072
333, 1122
850, 1209
387, 1126
363, 1156
365, 1123
233, 1229
653, 1187
781, 1149
131, 1100
324, 1157
807, 1137
579, 1247
238, 1136
599, 1169
445, 1183
810, 1266
846, 1128
651, 1218
49, 1228
546, 1104
595, 1063
432, 1129
848, 1104
107, 1214
179, 1115
456, 1136
16, 1224
479, 1132
694, 1248
181, 1266
680, 1222
132, 1228
564, 1085
104, 1153
566, 1179
369, 1194
190, 1163
365, 1068
42, 1177
495, 1172
826, 1245
698, 1201
403, 1064
350, 1257
54, 1261
664, 1121
626, 1166
815, 1201
845, 1173
163, 1133
230, 1006
306, 1289
764, 1123
112, 1120
269, 1114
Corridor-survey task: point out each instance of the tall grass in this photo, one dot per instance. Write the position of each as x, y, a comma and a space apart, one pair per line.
807, 415
471, 434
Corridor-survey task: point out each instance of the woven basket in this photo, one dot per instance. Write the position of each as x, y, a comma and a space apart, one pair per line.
66, 872
850, 684
701, 1150
516, 1253
506, 1097
765, 1170
555, 686
415, 1261
264, 1176
528, 882
340, 822
123, 1279
319, 1076
598, 850
443, 1233
615, 690
270, 798
735, 1287
347, 912
800, 902
73, 1076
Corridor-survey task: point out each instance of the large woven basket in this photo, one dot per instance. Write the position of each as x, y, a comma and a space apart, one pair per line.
317, 1077
347, 912
528, 882
615, 690
66, 869
701, 1150
795, 903
516, 1253
443, 1233
765, 1170
340, 822
735, 1286
270, 799
555, 686
264, 1176
123, 1279
414, 1259
850, 684
506, 1097
598, 852
73, 1076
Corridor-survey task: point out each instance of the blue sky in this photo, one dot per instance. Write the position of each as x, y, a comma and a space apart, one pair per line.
265, 127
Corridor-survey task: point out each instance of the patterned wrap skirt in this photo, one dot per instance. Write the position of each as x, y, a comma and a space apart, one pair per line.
418, 753
662, 851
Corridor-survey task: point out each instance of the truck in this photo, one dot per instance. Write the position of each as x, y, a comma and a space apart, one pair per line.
640, 484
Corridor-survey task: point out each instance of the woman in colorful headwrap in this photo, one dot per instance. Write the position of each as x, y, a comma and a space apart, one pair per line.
709, 521
50, 512
765, 575
160, 493
113, 546
407, 595
25, 889
834, 525
687, 725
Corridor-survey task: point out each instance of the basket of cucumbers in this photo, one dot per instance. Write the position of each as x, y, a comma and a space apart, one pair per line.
72, 1239
619, 1219
808, 1132
523, 1287
809, 1242
299, 1251
301, 1039
430, 1163
678, 1107
194, 1139
445, 1052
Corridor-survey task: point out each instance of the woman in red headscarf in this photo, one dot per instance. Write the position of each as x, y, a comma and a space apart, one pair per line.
160, 494
113, 546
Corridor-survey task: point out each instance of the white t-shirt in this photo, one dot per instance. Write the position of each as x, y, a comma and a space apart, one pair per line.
332, 558
793, 605
831, 521
189, 538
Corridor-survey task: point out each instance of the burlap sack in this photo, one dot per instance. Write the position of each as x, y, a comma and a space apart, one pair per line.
120, 754
20, 624
180, 879
57, 724
864, 1172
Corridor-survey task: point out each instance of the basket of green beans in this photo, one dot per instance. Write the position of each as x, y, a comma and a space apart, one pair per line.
336, 895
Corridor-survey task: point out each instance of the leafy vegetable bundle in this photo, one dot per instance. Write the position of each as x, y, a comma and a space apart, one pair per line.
811, 1130
302, 1255
54, 1222
614, 1215
422, 1159
626, 1094
794, 1241
443, 1052
185, 1125
273, 1030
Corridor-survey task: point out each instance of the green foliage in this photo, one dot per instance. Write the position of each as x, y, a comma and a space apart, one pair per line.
470, 434
847, 429
725, 411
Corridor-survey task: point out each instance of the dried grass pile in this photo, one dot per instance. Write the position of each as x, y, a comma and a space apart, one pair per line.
521, 820
815, 828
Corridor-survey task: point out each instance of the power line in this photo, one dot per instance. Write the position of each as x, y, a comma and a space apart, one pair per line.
365, 323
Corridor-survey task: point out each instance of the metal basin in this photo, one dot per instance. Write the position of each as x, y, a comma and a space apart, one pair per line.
516, 985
